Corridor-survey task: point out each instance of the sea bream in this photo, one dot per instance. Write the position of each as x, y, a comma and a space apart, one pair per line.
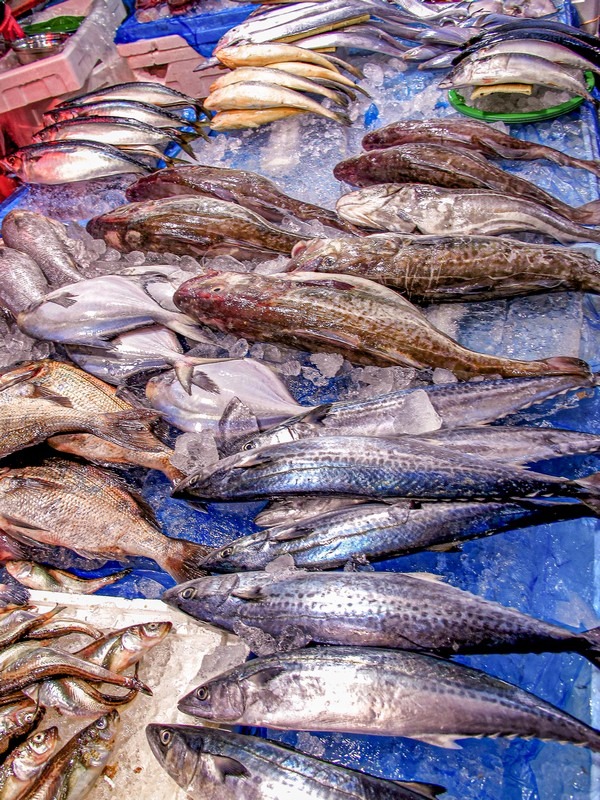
369, 609
442, 269
362, 320
380, 692
374, 467
219, 764
433, 210
358, 534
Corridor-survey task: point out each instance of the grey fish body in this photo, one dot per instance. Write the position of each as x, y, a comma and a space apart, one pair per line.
129, 109
376, 531
45, 241
442, 269
380, 692
362, 466
142, 91
437, 211
375, 609
22, 282
221, 765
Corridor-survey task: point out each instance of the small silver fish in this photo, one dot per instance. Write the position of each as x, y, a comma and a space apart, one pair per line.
24, 764
36, 576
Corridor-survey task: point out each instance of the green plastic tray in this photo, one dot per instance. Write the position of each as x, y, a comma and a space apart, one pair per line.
57, 25
457, 101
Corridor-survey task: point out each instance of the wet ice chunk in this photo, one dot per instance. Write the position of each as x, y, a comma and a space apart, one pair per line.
328, 364
193, 451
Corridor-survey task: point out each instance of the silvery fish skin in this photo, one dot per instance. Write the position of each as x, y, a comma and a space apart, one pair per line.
278, 77
551, 51
73, 697
382, 693
452, 168
24, 764
376, 531
11, 594
129, 109
375, 609
473, 135
36, 576
248, 189
214, 387
54, 163
221, 765
442, 269
22, 282
368, 466
291, 509
260, 55
156, 94
77, 506
340, 313
516, 68
124, 648
93, 311
516, 444
192, 225
358, 37
19, 623
45, 241
433, 210
71, 773
16, 720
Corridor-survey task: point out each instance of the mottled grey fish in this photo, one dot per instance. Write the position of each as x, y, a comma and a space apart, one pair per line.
369, 609
291, 509
150, 92
442, 269
22, 282
437, 211
213, 763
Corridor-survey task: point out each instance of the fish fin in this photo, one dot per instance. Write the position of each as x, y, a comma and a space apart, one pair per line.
185, 373
425, 576
188, 564
202, 381
427, 790
589, 214
445, 740
127, 428
260, 642
567, 365
591, 485
31, 482
316, 415
287, 534
264, 676
47, 394
236, 424
66, 300
330, 283
184, 326
590, 641
227, 766
448, 547
344, 341
248, 592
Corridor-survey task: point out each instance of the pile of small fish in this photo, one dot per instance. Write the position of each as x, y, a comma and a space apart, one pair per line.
273, 81
40, 672
118, 130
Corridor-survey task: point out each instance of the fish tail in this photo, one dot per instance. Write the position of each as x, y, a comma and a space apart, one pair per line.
128, 429
183, 325
590, 649
185, 563
559, 365
589, 491
187, 148
588, 214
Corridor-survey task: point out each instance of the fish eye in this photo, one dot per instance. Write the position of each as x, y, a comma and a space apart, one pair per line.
165, 736
226, 552
39, 737
30, 717
217, 288
152, 626
101, 724
188, 593
329, 261
202, 693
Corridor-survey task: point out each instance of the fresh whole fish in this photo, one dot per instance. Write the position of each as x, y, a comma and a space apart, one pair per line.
35, 576
66, 504
321, 74
192, 225
17, 625
291, 509
437, 211
472, 135
22, 282
211, 763
240, 120
378, 531
452, 168
259, 95
442, 269
74, 769
128, 109
73, 697
368, 466
215, 386
551, 51
248, 189
277, 77
264, 55
341, 313
90, 312
412, 612
13, 550
17, 720
357, 37
52, 163
380, 692
45, 241
152, 93
516, 68
24, 764
60, 626
116, 131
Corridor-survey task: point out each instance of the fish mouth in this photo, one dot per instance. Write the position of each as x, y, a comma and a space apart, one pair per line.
298, 249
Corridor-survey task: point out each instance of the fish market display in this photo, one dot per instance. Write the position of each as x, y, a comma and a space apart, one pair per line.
35, 576
471, 135
341, 314
208, 761
122, 109
193, 226
442, 269
247, 189
437, 211
381, 692
413, 612
156, 94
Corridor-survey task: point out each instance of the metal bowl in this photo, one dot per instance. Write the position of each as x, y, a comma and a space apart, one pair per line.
40, 45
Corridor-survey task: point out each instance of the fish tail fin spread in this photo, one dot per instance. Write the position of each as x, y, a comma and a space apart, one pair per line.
590, 494
588, 214
186, 563
567, 365
128, 429
184, 370
186, 146
591, 645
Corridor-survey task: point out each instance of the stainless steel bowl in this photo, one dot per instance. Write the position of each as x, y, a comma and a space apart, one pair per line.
40, 45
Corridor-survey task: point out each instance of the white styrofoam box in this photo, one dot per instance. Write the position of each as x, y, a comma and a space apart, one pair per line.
191, 653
